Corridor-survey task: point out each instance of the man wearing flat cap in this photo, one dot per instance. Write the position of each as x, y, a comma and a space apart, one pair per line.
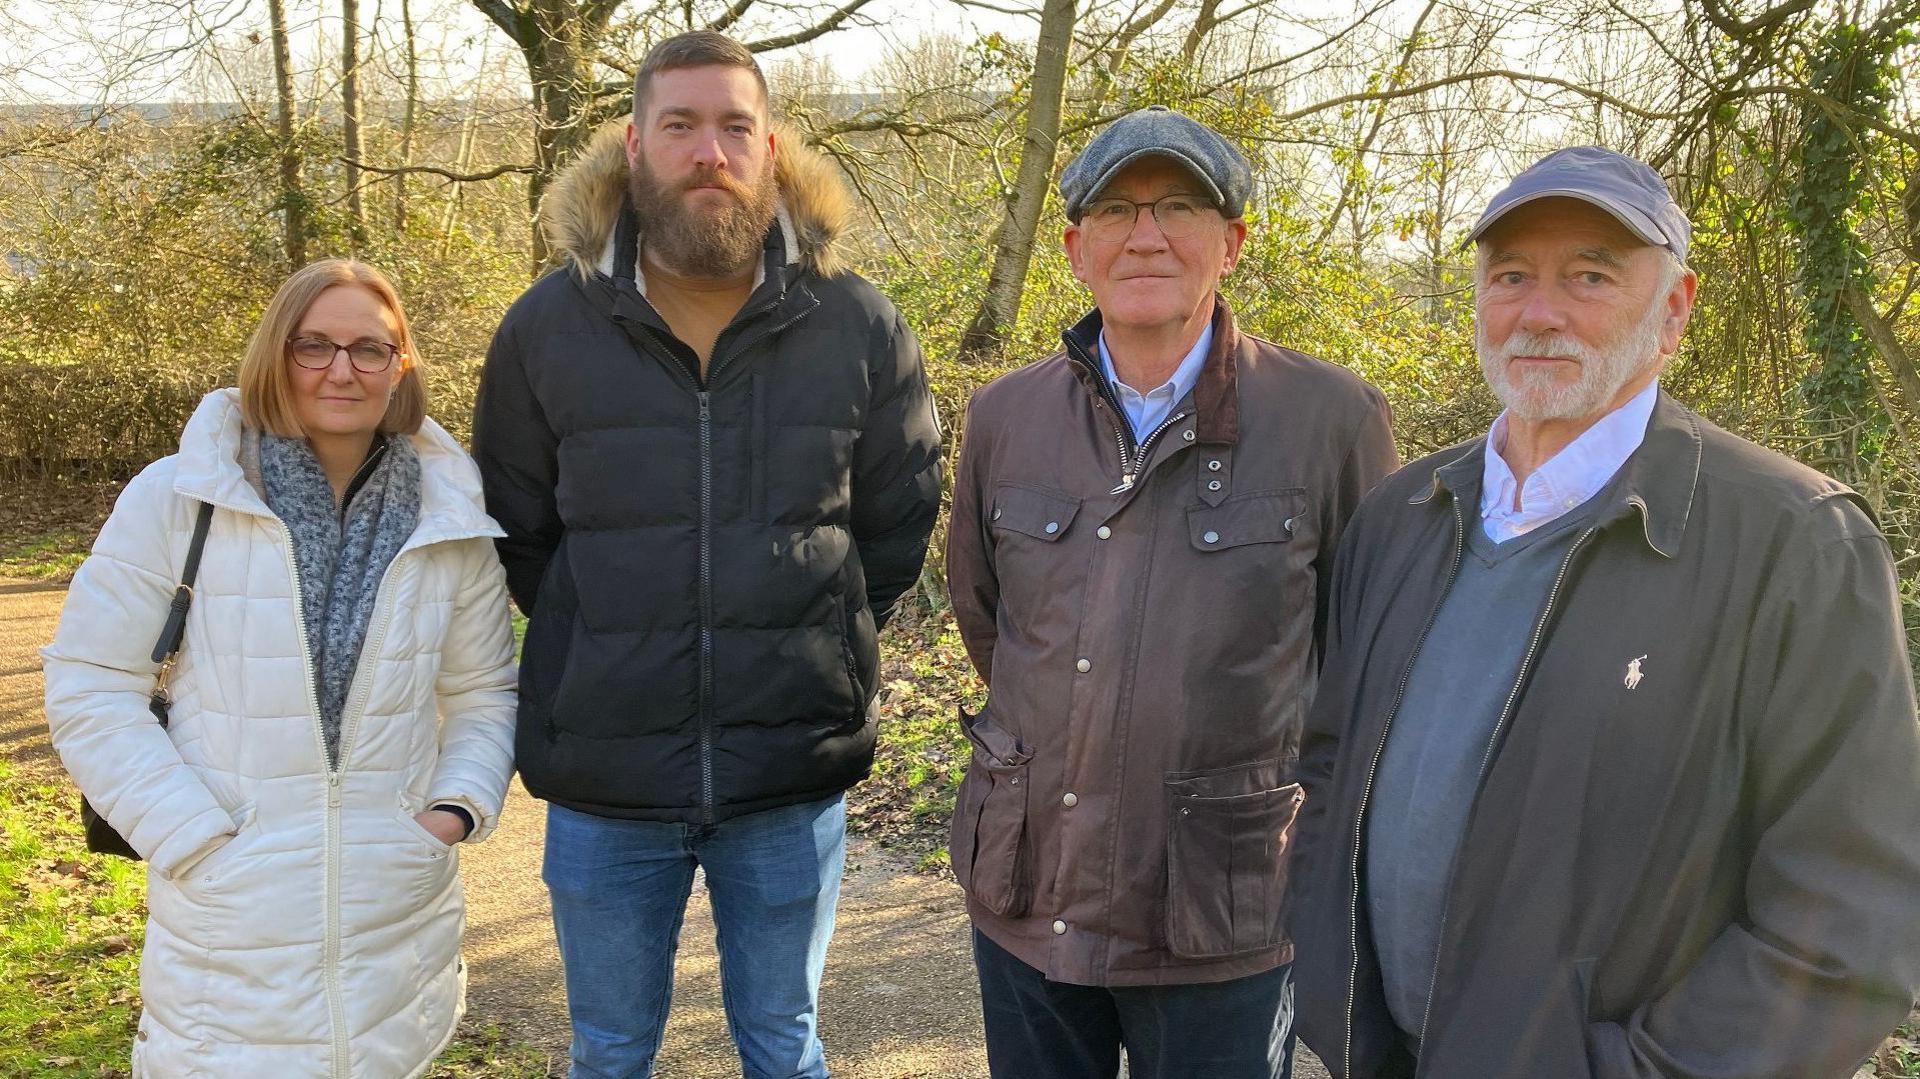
1612, 768
1142, 535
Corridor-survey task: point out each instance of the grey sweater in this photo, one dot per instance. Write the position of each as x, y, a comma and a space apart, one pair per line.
1430, 770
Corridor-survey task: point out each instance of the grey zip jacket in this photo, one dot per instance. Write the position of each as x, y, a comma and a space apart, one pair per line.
1712, 869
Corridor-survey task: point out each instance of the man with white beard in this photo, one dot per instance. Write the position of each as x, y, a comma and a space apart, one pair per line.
1610, 772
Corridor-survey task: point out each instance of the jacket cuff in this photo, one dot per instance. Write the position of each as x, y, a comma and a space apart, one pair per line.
1608, 1052
466, 818
482, 822
181, 851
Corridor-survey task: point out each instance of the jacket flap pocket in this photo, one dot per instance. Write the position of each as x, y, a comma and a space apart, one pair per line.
1253, 778
1227, 870
1261, 518
1030, 511
997, 745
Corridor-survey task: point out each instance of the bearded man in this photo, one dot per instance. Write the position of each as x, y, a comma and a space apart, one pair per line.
715, 460
1611, 772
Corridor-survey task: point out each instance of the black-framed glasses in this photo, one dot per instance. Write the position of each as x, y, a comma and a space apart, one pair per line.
1177, 216
367, 357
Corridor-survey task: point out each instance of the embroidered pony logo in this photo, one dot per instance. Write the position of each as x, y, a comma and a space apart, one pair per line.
1633, 673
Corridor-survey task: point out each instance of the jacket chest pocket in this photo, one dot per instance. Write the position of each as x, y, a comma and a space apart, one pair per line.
1253, 544
1032, 512
1035, 568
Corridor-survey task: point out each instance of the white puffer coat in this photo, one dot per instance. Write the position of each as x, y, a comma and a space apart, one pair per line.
301, 922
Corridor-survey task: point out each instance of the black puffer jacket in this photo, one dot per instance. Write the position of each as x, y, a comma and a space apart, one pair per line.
704, 566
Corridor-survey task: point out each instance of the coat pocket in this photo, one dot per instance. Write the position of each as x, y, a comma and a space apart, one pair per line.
1032, 511
1228, 834
989, 846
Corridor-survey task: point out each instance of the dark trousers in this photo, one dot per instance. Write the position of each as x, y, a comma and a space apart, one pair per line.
1040, 1029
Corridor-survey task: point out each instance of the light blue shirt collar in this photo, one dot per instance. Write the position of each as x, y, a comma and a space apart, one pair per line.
1568, 478
1145, 411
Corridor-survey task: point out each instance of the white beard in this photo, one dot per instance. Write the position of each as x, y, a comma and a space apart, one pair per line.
1539, 395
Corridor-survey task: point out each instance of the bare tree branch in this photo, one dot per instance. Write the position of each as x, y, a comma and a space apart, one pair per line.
435, 170
1880, 333
800, 37
730, 16
1740, 30
507, 17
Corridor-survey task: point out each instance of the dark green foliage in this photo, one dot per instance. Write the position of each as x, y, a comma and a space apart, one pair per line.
1854, 72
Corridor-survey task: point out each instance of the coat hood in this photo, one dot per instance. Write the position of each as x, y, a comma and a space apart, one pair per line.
584, 204
209, 469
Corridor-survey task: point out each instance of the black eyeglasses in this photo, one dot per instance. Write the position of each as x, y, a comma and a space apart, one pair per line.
1177, 216
317, 353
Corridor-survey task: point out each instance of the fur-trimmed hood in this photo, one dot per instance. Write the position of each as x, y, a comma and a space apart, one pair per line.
584, 204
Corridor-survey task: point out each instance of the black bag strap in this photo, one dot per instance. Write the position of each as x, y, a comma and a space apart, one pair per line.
165, 648
168, 646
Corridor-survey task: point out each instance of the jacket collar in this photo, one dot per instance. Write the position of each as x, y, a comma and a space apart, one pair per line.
1216, 395
582, 209
1657, 483
209, 470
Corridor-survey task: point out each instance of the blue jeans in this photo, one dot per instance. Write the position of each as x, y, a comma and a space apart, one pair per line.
620, 892
1040, 1029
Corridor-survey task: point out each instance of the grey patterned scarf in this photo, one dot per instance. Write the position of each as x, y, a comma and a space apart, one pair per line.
341, 552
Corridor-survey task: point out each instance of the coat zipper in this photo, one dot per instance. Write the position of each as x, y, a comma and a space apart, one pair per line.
1133, 458
1366, 789
330, 941
1486, 760
706, 608
336, 769
704, 396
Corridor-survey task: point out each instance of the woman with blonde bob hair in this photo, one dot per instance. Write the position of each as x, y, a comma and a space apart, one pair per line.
342, 703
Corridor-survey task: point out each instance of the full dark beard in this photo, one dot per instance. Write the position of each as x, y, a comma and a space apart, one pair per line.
713, 241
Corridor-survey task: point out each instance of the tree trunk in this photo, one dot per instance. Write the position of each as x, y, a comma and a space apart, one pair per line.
293, 201
562, 99
350, 119
1880, 334
408, 119
559, 40
993, 323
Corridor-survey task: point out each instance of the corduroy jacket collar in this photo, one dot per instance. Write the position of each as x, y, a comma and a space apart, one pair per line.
1216, 396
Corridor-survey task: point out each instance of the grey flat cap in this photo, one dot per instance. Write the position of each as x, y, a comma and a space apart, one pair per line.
1158, 131
1625, 187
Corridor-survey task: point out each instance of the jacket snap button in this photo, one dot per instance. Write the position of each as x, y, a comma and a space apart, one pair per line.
1052, 527
1213, 466
1014, 782
1103, 532
1185, 812
1059, 927
1188, 435
996, 515
1211, 537
1083, 666
1069, 800
1214, 486
1287, 524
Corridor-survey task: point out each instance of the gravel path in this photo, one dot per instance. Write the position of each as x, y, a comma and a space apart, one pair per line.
898, 1002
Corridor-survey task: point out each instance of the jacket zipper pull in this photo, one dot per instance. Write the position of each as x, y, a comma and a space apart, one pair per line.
1126, 484
333, 791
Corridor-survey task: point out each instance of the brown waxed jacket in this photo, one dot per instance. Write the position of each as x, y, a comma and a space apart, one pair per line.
1150, 647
